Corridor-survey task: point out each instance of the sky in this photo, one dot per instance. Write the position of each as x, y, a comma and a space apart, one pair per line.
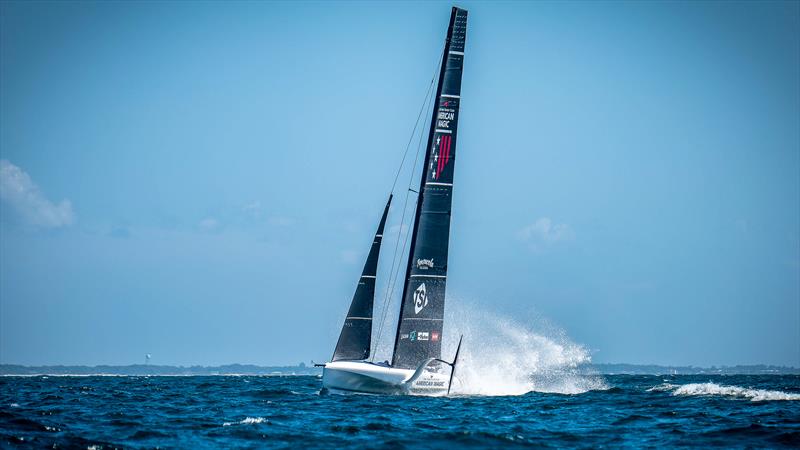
201, 181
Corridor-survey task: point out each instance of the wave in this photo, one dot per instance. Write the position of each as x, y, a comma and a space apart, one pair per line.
710, 389
247, 421
662, 387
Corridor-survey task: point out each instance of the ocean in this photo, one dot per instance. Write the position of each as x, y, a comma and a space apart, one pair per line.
289, 412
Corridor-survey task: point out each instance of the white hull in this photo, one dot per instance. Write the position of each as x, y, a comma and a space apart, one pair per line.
359, 376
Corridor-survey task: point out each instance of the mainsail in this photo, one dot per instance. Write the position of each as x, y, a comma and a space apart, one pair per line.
356, 336
419, 331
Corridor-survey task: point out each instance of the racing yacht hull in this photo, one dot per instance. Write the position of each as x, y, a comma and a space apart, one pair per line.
365, 377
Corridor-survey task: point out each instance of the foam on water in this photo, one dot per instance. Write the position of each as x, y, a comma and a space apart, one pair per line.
710, 389
246, 421
755, 395
503, 356
662, 387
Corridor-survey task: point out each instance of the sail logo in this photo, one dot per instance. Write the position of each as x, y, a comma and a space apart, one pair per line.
434, 336
419, 336
444, 118
425, 264
441, 155
420, 298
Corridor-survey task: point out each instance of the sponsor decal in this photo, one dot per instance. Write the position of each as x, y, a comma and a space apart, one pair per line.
420, 298
423, 336
403, 335
412, 336
441, 155
434, 336
427, 383
425, 264
444, 117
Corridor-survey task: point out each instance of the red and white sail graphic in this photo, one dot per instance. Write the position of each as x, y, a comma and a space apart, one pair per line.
441, 155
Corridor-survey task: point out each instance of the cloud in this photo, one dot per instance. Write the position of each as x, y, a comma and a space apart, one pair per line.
253, 208
120, 232
544, 231
209, 224
18, 190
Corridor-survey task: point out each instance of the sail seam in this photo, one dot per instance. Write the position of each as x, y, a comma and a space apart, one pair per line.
432, 183
428, 276
443, 131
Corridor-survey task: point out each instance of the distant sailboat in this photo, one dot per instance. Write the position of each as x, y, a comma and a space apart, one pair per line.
416, 365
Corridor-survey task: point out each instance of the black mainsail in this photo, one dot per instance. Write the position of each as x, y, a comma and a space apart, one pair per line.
419, 330
356, 336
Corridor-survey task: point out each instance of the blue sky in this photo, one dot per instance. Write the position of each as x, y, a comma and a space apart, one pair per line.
201, 180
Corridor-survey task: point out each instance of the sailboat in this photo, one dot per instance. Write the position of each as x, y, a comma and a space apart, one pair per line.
416, 366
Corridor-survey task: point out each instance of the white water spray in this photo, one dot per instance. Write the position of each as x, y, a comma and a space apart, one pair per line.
502, 356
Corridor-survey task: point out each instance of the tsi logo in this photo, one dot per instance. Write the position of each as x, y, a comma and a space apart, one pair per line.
425, 264
420, 298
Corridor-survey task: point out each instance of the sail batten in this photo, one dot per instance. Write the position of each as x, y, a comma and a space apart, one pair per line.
419, 330
355, 339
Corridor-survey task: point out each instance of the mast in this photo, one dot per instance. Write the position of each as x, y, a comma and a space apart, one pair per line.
356, 336
419, 329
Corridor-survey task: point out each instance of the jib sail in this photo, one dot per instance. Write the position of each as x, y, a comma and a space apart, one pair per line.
419, 331
356, 336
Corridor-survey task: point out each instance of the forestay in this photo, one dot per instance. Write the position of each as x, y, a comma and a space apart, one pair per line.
356, 336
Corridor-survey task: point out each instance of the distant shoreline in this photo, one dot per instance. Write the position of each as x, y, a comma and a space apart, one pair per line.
302, 369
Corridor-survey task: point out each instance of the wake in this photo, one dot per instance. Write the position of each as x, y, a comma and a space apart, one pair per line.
714, 389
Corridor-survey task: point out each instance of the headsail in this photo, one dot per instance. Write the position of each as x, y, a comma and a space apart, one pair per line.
419, 331
356, 336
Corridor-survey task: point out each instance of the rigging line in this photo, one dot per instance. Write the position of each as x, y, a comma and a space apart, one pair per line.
390, 290
392, 272
393, 276
416, 124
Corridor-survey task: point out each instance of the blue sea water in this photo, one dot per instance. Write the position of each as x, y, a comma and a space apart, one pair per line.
288, 411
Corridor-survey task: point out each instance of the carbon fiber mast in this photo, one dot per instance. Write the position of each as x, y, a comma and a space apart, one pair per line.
419, 329
356, 336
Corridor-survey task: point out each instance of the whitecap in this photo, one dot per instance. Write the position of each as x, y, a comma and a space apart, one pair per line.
709, 389
246, 421
662, 387
756, 395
